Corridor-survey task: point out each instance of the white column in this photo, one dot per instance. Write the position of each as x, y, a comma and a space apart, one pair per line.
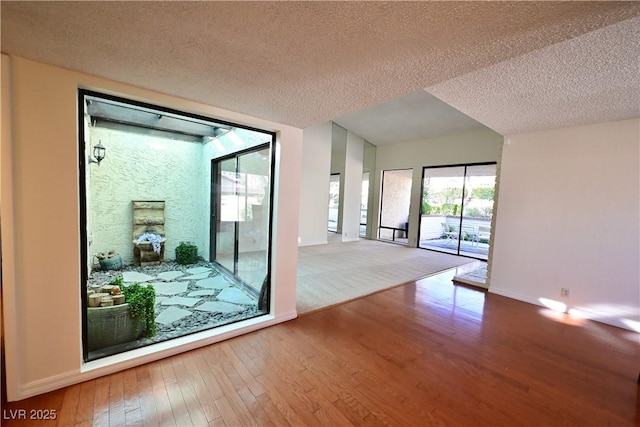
352, 188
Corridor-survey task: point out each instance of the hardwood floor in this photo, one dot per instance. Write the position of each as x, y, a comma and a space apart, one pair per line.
426, 353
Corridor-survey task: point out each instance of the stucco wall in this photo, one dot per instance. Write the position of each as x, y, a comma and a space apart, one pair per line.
396, 199
142, 167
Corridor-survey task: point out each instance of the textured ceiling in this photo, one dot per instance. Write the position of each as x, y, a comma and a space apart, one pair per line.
412, 117
299, 63
591, 78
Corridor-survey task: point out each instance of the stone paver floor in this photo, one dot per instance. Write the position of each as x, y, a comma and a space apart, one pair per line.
188, 298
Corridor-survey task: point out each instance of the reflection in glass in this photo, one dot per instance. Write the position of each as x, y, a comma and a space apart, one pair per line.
334, 202
253, 217
394, 208
364, 204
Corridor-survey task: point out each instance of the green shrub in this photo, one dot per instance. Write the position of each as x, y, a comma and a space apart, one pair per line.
142, 303
186, 253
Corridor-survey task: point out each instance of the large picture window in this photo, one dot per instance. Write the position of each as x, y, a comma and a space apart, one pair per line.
176, 213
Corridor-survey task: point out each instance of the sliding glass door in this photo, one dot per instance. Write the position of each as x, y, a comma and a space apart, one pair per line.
240, 223
364, 204
441, 207
477, 212
457, 208
334, 202
227, 213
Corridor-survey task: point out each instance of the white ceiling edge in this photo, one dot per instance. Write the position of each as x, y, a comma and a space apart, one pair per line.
592, 78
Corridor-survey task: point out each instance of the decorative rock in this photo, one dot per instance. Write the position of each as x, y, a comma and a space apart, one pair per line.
197, 270
115, 290
175, 321
218, 282
188, 302
118, 299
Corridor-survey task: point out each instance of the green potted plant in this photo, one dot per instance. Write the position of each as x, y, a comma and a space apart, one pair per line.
186, 253
142, 303
122, 323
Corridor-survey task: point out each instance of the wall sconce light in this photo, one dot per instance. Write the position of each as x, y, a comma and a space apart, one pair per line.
98, 152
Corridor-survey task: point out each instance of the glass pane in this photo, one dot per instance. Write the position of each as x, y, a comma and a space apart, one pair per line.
396, 201
334, 201
211, 212
441, 208
229, 213
364, 203
253, 216
478, 211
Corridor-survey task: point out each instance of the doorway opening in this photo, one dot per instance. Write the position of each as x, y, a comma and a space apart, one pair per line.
160, 192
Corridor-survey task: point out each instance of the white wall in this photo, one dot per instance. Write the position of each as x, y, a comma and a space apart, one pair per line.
569, 218
469, 147
143, 167
352, 188
314, 197
41, 230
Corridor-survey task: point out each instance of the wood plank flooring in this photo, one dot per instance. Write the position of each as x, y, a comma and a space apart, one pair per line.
424, 354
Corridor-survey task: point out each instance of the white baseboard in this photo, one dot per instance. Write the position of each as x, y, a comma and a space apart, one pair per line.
596, 317
514, 295
140, 356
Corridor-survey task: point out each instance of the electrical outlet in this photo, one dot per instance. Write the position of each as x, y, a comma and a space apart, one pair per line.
565, 292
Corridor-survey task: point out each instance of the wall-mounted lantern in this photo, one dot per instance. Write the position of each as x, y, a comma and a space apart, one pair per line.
98, 152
